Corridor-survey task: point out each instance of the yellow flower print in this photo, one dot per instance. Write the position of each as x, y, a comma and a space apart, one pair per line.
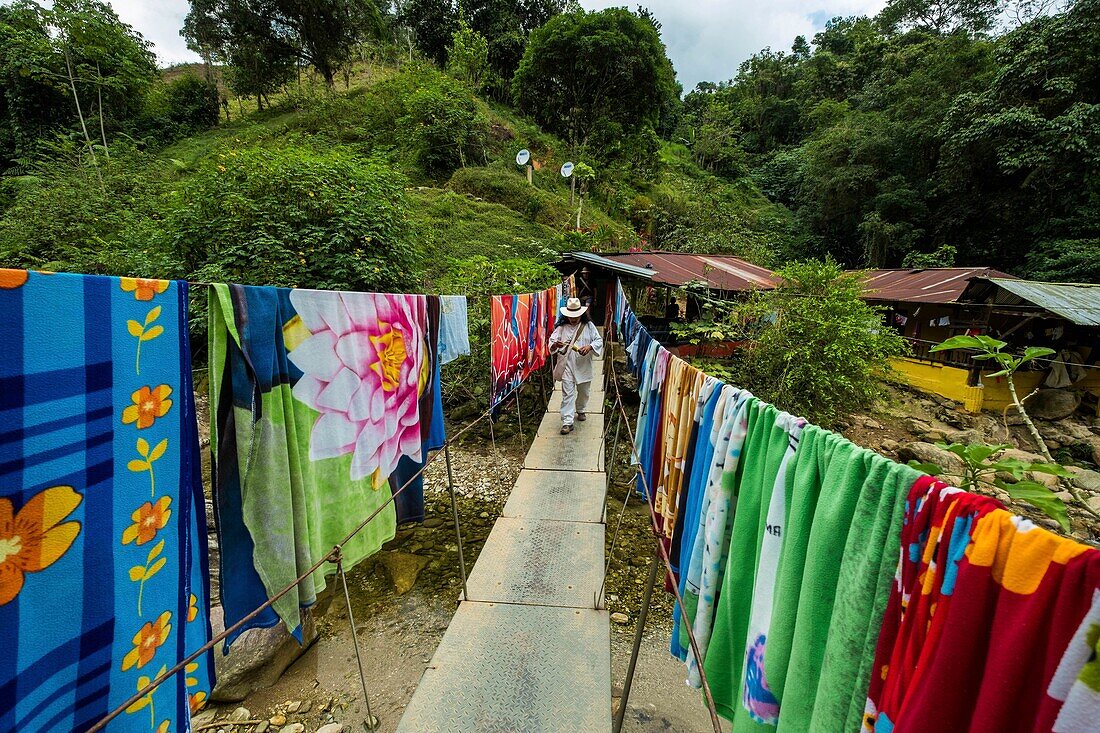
35, 537
192, 609
150, 637
149, 404
149, 518
143, 288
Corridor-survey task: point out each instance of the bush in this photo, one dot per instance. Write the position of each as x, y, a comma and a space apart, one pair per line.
295, 217
821, 350
442, 126
184, 106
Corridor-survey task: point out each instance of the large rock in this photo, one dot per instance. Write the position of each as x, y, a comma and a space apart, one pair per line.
402, 568
1053, 404
928, 453
1085, 479
257, 658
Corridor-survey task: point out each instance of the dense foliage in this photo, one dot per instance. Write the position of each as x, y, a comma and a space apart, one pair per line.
818, 349
899, 135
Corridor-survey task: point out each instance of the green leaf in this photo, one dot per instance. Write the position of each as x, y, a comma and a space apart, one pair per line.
958, 342
1037, 352
1052, 469
1041, 498
157, 548
1013, 466
979, 452
929, 468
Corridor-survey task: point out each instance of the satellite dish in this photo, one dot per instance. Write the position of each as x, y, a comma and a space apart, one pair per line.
567, 169
523, 156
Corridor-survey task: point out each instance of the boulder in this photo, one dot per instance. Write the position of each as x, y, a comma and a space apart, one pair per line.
928, 453
966, 437
1085, 479
1053, 404
332, 728
402, 568
257, 658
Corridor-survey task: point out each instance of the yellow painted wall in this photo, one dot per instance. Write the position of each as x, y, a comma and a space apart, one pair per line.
950, 382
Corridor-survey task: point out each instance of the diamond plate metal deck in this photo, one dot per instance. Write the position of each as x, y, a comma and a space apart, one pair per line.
550, 427
564, 496
539, 562
578, 454
516, 669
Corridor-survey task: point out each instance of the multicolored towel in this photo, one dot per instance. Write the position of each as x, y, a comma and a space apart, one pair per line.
103, 568
319, 397
1077, 681
521, 327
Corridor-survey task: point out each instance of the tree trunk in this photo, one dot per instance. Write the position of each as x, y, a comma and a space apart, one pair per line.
80, 114
102, 128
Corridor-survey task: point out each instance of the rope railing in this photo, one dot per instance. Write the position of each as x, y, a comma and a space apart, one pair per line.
334, 557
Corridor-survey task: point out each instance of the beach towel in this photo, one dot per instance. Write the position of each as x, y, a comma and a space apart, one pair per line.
520, 326
754, 544
319, 396
454, 328
937, 530
713, 540
1076, 682
103, 567
1019, 597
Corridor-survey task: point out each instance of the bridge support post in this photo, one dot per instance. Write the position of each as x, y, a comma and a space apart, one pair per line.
620, 714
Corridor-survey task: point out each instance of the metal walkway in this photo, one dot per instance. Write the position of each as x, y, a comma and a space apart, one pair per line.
530, 652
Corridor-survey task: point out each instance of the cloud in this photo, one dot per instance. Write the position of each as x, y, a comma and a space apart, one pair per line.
160, 21
708, 39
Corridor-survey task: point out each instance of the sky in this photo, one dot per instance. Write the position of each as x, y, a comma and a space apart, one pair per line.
706, 39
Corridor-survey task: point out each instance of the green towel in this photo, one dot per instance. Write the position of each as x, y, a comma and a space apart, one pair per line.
868, 567
763, 452
804, 481
845, 471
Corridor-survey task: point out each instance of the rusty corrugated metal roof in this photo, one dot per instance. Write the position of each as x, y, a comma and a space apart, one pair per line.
928, 285
720, 272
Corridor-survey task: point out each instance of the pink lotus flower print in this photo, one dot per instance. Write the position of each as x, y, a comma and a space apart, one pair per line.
363, 363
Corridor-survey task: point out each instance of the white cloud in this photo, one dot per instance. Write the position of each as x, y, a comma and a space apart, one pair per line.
160, 21
708, 39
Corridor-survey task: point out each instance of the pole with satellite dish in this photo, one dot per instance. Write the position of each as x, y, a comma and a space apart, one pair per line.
523, 158
567, 172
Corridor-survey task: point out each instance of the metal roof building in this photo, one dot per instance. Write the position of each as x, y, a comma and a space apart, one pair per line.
676, 269
927, 285
1078, 303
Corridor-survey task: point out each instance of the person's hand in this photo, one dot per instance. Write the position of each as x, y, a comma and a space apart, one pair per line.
584, 350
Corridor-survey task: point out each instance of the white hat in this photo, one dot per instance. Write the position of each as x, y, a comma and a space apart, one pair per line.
573, 308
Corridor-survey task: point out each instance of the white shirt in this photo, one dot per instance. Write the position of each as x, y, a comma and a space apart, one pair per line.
579, 368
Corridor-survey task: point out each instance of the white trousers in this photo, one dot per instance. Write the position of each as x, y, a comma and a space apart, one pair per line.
574, 399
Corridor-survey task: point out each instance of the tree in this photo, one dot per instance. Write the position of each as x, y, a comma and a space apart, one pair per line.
581, 70
433, 24
940, 16
507, 26
81, 49
469, 57
321, 33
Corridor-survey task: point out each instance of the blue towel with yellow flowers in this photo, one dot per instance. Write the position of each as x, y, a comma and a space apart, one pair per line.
103, 567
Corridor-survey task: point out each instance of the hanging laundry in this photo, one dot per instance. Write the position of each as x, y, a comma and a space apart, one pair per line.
1018, 598
712, 540
1076, 683
103, 566
757, 528
319, 396
454, 328
520, 327
687, 524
